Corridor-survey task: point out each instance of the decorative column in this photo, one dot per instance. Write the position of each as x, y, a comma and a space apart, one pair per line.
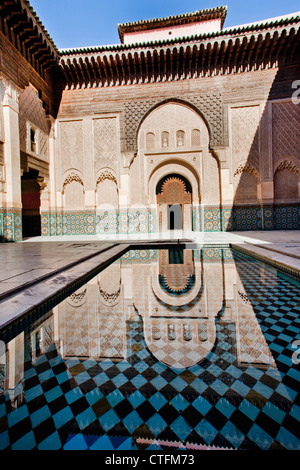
15, 370
89, 177
49, 197
124, 192
45, 201
124, 198
52, 187
226, 189
12, 201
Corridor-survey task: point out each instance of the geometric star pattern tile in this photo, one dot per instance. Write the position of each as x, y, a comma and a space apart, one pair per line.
139, 403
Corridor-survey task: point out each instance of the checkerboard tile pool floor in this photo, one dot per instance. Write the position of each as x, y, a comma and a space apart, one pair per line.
140, 403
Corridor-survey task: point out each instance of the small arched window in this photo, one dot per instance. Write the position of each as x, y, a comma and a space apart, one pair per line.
156, 334
150, 140
195, 138
165, 140
180, 138
32, 140
171, 332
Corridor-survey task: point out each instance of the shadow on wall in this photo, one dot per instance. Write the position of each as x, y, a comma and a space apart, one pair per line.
266, 183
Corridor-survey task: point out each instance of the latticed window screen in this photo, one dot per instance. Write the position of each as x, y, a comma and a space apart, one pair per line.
195, 137
174, 191
150, 140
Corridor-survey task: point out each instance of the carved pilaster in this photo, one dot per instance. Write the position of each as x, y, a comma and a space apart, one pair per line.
128, 158
43, 184
11, 93
10, 106
52, 143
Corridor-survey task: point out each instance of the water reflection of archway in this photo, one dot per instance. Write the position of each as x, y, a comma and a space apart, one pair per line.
180, 343
174, 199
177, 333
176, 278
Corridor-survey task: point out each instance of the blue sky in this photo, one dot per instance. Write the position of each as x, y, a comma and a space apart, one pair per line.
78, 23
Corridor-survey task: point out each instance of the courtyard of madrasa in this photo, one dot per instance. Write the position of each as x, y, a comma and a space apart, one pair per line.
149, 214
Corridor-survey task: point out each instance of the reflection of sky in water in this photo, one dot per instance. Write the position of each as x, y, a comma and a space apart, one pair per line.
193, 347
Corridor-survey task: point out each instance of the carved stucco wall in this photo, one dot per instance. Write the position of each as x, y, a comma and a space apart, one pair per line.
245, 152
1, 141
31, 113
89, 146
261, 142
2, 91
285, 131
209, 106
71, 146
170, 118
286, 182
245, 142
105, 144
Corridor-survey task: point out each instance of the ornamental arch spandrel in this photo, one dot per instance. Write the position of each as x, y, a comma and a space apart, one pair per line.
207, 106
172, 126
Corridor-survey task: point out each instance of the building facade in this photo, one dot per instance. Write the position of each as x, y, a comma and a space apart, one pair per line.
183, 125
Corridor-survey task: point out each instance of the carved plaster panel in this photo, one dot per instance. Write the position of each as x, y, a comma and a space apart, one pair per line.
209, 106
105, 143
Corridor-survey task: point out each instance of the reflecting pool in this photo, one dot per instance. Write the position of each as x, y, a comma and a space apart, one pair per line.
164, 349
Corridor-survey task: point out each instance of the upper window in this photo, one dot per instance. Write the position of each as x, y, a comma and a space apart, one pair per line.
150, 140
180, 138
33, 134
195, 138
33, 146
165, 140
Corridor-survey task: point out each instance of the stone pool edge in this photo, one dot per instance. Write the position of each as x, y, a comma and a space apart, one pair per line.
278, 259
46, 291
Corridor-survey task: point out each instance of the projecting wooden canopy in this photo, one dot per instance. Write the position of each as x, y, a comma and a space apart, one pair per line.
20, 24
232, 51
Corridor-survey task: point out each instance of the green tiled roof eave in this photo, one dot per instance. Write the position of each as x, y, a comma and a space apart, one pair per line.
217, 11
217, 35
210, 13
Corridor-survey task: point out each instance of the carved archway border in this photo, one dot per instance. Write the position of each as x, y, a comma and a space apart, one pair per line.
247, 168
70, 176
208, 107
287, 164
106, 174
170, 167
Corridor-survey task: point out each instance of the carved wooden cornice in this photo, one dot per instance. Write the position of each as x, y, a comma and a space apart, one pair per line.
25, 31
263, 45
202, 56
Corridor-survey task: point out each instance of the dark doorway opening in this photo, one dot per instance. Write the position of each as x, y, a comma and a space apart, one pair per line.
175, 217
176, 256
173, 195
31, 203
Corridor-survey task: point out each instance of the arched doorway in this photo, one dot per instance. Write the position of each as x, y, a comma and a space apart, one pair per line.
174, 200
